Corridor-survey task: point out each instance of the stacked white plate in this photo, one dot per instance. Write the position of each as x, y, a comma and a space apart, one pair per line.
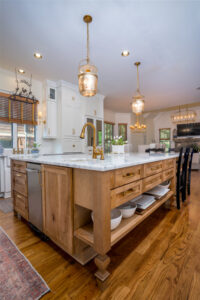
158, 192
144, 201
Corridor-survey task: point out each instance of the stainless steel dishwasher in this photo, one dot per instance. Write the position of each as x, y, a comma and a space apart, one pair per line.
35, 194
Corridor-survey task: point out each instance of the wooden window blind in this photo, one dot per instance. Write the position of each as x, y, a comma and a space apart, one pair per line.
18, 109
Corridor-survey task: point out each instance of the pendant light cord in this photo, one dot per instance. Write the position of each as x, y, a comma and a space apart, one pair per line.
138, 86
88, 48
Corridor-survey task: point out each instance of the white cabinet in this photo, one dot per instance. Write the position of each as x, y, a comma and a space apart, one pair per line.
50, 110
94, 106
72, 145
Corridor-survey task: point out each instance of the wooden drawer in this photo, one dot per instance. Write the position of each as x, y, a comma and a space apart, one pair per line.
125, 193
127, 175
168, 163
168, 174
21, 205
152, 181
153, 168
20, 183
19, 166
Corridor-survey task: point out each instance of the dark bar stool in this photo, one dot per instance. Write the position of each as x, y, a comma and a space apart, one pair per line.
184, 174
178, 178
189, 171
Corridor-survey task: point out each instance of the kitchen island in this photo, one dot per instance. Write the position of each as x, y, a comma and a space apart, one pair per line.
75, 185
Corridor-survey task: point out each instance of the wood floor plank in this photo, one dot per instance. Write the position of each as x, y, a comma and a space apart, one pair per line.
160, 259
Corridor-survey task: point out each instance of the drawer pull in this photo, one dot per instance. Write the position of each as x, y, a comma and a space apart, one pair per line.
155, 168
18, 175
129, 175
130, 191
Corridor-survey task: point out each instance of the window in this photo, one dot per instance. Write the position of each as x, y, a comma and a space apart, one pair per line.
108, 135
6, 135
122, 131
164, 135
25, 136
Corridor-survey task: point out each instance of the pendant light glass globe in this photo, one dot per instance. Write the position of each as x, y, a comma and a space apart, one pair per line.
87, 76
87, 80
138, 106
138, 99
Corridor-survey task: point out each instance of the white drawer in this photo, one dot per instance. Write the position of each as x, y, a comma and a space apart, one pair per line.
70, 145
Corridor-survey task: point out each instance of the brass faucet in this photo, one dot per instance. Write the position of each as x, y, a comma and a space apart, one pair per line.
96, 151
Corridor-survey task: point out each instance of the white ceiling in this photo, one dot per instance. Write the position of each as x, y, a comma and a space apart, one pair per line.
163, 35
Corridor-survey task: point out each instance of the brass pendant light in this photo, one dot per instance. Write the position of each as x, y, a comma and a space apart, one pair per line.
87, 76
138, 99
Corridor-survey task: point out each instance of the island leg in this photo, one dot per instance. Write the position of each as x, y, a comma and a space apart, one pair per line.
102, 235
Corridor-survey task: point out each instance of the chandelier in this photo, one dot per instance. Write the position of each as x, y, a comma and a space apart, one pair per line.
182, 117
87, 76
138, 99
138, 127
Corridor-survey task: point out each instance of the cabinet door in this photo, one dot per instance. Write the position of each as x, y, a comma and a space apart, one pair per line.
57, 206
50, 128
72, 121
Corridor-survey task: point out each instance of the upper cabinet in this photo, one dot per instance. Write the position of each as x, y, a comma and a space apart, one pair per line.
50, 110
94, 106
66, 112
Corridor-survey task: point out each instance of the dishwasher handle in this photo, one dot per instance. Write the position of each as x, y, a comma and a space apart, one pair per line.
36, 171
33, 171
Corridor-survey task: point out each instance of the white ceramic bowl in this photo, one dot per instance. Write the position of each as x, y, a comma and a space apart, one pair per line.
128, 209
115, 216
166, 184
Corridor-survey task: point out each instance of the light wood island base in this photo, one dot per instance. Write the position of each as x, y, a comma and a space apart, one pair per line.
71, 194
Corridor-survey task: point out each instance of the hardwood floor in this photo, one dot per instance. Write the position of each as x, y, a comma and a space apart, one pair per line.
159, 260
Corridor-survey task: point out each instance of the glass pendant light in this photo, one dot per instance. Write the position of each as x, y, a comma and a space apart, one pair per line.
138, 99
87, 77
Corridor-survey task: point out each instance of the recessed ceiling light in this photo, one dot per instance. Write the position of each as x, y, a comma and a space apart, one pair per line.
125, 53
21, 71
38, 55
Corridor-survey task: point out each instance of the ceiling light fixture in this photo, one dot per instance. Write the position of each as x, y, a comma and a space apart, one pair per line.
21, 71
138, 127
138, 99
125, 53
87, 76
38, 55
182, 117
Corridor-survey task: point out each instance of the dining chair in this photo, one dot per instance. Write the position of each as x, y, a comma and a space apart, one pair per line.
184, 174
178, 177
189, 171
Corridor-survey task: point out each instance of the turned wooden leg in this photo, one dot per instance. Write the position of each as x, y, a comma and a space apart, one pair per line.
102, 262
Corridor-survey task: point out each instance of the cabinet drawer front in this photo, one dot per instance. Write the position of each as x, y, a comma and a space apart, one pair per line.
125, 193
152, 181
19, 166
127, 175
20, 183
168, 174
153, 168
21, 205
168, 163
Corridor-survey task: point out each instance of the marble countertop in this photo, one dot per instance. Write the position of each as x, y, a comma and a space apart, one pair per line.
83, 161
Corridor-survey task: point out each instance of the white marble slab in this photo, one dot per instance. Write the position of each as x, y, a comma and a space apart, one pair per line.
82, 161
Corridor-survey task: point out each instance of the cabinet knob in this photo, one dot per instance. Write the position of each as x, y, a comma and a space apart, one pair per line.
73, 131
95, 112
73, 98
73, 146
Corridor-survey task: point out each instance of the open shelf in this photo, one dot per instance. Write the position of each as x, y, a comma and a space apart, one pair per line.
85, 233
